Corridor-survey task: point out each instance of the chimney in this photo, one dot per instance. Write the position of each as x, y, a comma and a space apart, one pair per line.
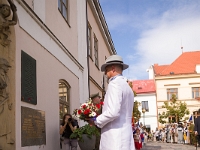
151, 72
198, 68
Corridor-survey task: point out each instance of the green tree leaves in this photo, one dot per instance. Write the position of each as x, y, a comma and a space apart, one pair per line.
175, 111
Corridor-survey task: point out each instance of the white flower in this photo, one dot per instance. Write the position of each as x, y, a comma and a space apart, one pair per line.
93, 114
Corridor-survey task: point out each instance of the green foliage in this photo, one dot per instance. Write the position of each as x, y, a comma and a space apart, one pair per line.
174, 108
136, 112
131, 85
87, 129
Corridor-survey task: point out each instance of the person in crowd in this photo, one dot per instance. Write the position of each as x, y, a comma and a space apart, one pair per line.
117, 111
173, 134
142, 134
157, 135
149, 137
168, 132
197, 128
180, 133
176, 133
137, 139
145, 138
185, 133
163, 135
96, 99
192, 135
66, 129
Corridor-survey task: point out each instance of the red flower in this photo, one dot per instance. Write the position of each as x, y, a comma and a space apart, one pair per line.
84, 106
79, 111
87, 111
101, 103
98, 106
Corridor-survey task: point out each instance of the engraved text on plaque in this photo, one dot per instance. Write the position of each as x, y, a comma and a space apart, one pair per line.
32, 127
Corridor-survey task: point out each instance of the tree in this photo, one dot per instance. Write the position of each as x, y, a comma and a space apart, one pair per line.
136, 112
175, 111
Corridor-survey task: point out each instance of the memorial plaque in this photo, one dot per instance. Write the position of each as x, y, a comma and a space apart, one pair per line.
28, 79
32, 127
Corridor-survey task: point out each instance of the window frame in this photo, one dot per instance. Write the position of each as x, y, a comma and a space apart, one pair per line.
146, 107
60, 8
170, 93
96, 55
89, 40
195, 91
64, 103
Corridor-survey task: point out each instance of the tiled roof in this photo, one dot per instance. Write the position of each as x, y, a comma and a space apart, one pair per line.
159, 69
143, 86
184, 64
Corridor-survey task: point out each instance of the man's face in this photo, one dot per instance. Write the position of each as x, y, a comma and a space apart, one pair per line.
108, 71
96, 100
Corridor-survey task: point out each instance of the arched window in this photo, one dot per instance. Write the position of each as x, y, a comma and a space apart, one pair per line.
64, 91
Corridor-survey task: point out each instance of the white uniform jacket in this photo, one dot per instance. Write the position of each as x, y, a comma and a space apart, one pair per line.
116, 117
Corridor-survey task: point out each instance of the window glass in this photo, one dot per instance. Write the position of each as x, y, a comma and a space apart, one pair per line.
195, 92
172, 91
64, 89
145, 106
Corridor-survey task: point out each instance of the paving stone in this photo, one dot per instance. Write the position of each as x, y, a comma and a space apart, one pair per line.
168, 146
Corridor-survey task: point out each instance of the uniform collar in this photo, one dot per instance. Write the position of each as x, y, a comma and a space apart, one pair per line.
113, 78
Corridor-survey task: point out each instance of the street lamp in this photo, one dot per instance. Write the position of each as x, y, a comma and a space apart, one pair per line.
143, 111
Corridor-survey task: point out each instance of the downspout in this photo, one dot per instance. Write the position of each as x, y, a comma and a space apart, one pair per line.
88, 65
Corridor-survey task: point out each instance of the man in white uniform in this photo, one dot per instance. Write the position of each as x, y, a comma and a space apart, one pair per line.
116, 117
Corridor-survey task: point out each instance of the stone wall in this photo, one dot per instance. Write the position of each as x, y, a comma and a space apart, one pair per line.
8, 19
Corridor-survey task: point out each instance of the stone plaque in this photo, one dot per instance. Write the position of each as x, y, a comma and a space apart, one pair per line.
32, 127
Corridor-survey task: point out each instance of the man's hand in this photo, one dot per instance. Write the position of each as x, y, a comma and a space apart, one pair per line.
90, 120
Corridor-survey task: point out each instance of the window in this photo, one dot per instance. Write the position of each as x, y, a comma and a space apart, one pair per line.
96, 51
64, 89
145, 105
172, 91
89, 40
63, 8
195, 92
172, 119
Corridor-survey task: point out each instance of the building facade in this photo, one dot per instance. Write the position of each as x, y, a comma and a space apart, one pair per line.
146, 96
181, 78
100, 46
54, 67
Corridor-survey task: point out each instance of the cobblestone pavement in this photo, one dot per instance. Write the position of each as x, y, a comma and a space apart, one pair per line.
168, 146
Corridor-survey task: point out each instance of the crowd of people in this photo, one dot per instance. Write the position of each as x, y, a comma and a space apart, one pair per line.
181, 133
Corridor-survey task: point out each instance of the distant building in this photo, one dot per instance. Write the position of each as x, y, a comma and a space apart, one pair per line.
181, 78
146, 95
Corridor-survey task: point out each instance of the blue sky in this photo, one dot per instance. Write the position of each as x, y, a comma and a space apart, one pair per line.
146, 32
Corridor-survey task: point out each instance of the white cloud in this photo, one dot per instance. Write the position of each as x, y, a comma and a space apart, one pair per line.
160, 33
162, 42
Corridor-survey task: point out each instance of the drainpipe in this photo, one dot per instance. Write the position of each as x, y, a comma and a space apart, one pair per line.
88, 65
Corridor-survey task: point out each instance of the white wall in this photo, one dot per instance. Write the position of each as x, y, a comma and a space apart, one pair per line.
150, 117
53, 63
150, 72
184, 86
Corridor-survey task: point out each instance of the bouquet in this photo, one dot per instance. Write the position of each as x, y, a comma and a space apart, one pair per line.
88, 110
